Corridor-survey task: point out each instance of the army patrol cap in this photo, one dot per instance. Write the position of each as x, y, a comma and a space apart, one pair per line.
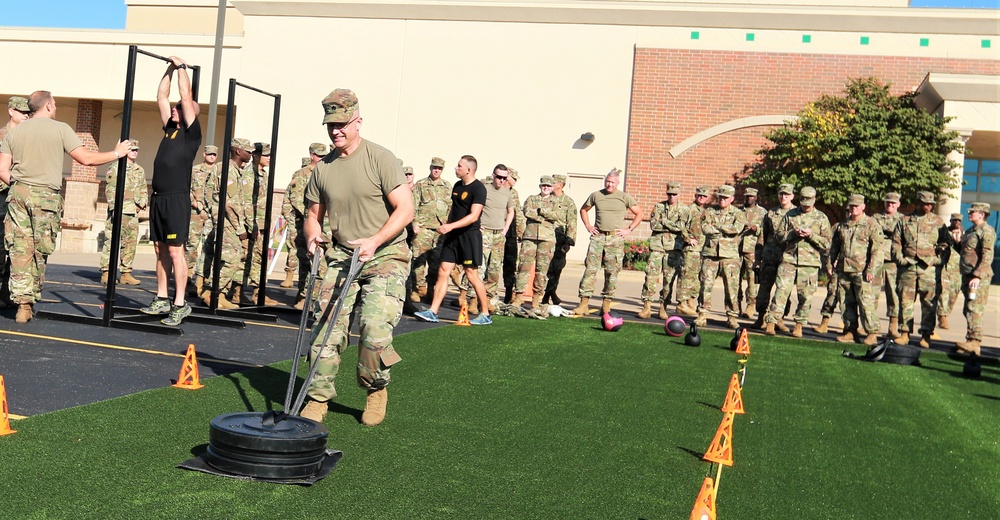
703, 190
319, 149
891, 197
727, 191
134, 144
673, 188
211, 148
807, 196
262, 149
512, 173
437, 162
855, 200
956, 216
561, 179
980, 206
750, 192
926, 197
786, 188
243, 144
18, 103
339, 106
407, 170
546, 180
306, 161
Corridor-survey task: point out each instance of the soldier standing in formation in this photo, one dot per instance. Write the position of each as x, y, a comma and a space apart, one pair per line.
856, 253
565, 237
293, 208
204, 178
951, 279
666, 250
804, 234
538, 244
976, 265
886, 279
832, 300
136, 198
607, 239
770, 255
258, 200
17, 108
722, 226
694, 241
433, 203
917, 244
749, 244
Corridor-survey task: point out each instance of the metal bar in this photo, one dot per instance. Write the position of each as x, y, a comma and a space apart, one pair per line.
269, 200
222, 189
255, 89
115, 323
196, 317
150, 54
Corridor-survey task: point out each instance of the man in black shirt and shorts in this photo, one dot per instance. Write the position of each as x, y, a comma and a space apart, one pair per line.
463, 241
170, 205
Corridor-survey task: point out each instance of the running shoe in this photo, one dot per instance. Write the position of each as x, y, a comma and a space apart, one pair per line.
158, 306
177, 315
482, 319
427, 315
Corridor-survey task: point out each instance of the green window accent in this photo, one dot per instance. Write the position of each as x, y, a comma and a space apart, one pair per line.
985, 44
750, 37
695, 35
925, 42
864, 40
807, 38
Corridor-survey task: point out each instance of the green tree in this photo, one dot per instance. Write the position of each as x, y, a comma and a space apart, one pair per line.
867, 141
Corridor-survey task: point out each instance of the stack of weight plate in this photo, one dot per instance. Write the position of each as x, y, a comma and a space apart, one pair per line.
255, 445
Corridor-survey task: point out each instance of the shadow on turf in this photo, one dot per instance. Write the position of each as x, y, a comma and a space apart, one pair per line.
696, 454
956, 370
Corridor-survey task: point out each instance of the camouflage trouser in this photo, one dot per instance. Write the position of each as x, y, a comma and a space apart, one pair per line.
426, 257
662, 267
687, 282
196, 236
129, 241
710, 267
32, 225
832, 296
536, 255
291, 243
804, 280
378, 291
975, 309
556, 266
491, 268
254, 259
748, 277
951, 287
4, 258
885, 281
858, 297
605, 251
916, 281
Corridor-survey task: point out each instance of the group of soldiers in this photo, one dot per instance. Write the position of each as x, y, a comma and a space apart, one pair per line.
765, 255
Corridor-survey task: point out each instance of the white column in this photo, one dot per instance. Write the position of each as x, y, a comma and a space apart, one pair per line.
951, 200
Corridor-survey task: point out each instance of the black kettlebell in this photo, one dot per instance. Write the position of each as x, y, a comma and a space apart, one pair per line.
693, 339
735, 342
972, 368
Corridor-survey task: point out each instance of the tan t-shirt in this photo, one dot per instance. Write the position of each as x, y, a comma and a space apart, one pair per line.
355, 190
495, 211
611, 209
38, 147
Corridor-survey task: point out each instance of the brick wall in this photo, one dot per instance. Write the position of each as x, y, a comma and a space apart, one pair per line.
88, 128
679, 93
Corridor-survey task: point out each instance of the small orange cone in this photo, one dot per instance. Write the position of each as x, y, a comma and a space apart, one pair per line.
188, 378
704, 505
734, 397
743, 346
463, 316
528, 289
721, 449
5, 420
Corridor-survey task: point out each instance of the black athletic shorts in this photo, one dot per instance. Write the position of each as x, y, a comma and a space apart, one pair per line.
465, 249
169, 218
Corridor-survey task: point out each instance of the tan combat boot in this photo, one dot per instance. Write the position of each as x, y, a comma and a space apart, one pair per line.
536, 301
903, 338
701, 320
104, 277
646, 311
462, 298
606, 306
925, 341
422, 291
314, 411
782, 327
267, 301
199, 284
128, 279
871, 340
972, 346
289, 280
943, 322
24, 313
823, 326
583, 309
846, 337
732, 323
375, 407
237, 297
300, 303
517, 300
797, 331
894, 327
769, 329
473, 305
663, 310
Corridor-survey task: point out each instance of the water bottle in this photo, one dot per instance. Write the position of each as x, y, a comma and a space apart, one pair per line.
972, 295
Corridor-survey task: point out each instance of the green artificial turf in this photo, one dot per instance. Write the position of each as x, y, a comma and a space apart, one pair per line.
554, 419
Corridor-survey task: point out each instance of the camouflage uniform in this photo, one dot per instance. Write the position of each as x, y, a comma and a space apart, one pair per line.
202, 177
293, 208
832, 300
749, 244
259, 204
800, 261
722, 229
687, 286
666, 249
136, 198
886, 278
538, 244
606, 251
234, 224
4, 192
566, 217
916, 245
951, 279
856, 251
769, 258
976, 261
32, 225
432, 209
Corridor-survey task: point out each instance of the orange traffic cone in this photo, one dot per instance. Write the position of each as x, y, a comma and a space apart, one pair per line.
5, 420
528, 290
721, 449
704, 505
743, 346
188, 378
463, 316
734, 397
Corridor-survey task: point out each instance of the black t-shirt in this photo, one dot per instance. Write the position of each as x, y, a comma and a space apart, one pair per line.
175, 158
463, 196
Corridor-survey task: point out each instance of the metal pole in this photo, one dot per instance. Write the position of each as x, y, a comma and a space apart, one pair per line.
223, 188
269, 198
213, 104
